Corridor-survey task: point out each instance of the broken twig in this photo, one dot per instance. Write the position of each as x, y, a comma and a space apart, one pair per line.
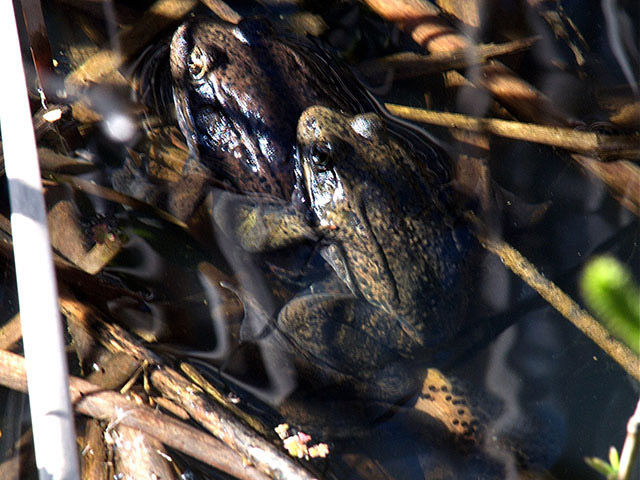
91, 400
411, 65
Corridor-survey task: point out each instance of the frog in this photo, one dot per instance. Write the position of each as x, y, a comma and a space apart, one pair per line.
399, 251
238, 92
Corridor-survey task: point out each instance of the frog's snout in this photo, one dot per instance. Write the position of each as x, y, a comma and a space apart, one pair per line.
179, 51
310, 124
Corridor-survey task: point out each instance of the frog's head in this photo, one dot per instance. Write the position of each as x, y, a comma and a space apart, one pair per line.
197, 54
202, 46
228, 105
341, 160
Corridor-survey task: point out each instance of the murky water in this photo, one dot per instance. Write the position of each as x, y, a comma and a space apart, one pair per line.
537, 394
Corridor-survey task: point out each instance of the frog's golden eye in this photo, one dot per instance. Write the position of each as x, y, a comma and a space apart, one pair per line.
197, 63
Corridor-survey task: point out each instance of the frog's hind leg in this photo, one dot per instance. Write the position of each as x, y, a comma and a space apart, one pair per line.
349, 336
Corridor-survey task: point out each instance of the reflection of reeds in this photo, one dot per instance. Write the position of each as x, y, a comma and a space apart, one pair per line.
39, 43
411, 65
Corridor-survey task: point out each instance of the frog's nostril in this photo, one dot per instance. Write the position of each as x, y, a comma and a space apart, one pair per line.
308, 122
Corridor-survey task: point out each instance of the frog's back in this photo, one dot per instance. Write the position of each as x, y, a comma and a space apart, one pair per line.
429, 251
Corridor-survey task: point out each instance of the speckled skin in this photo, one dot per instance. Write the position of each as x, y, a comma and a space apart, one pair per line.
398, 254
391, 236
238, 92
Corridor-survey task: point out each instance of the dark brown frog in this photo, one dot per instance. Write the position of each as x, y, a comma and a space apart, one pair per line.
238, 92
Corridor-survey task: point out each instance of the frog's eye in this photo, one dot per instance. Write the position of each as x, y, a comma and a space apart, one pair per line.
197, 63
322, 155
368, 125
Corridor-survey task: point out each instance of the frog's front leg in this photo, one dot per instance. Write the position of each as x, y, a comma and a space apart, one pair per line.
185, 195
259, 223
351, 337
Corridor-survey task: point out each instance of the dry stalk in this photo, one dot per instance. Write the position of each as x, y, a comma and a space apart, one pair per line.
621, 146
630, 447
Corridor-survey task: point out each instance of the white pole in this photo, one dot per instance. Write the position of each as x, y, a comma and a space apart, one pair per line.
47, 376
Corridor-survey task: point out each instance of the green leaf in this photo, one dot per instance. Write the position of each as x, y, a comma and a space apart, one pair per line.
613, 296
614, 459
600, 466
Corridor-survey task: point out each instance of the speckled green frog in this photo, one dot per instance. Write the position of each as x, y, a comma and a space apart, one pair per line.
399, 253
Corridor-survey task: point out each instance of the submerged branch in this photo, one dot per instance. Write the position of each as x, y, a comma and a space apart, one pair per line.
232, 432
606, 146
131, 40
564, 304
428, 28
622, 177
10, 332
222, 10
93, 459
106, 193
138, 455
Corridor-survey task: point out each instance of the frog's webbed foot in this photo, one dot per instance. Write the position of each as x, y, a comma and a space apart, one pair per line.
258, 223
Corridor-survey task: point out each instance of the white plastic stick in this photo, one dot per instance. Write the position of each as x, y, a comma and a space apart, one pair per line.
47, 376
